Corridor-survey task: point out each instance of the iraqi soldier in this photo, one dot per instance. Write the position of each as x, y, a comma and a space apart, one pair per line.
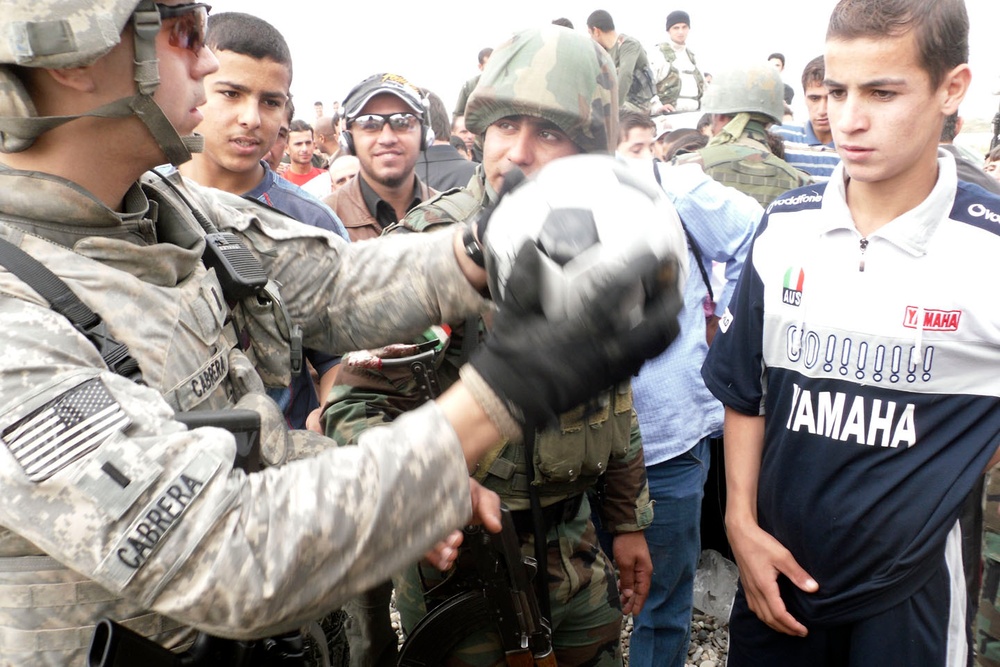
679, 83
114, 326
743, 103
524, 118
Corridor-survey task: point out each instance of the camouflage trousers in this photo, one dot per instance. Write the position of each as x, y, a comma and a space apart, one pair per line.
988, 619
583, 593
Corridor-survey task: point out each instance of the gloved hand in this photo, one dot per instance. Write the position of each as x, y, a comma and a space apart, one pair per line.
540, 369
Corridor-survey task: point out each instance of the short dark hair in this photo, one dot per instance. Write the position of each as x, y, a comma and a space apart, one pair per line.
438, 115
941, 28
629, 120
248, 35
484, 55
601, 20
814, 72
564, 22
684, 140
993, 155
779, 56
459, 145
299, 125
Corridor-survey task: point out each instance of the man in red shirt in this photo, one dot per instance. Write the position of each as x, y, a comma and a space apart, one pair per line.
300, 152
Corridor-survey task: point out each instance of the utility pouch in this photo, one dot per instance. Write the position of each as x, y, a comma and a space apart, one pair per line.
588, 437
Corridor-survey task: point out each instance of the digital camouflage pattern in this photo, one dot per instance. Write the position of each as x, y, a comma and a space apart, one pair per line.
555, 74
189, 538
61, 33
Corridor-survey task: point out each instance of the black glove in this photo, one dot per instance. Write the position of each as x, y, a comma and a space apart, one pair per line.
541, 368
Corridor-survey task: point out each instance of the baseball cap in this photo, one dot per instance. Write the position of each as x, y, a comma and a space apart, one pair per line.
378, 84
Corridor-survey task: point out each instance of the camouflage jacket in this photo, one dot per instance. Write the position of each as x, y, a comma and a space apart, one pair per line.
366, 394
636, 86
141, 520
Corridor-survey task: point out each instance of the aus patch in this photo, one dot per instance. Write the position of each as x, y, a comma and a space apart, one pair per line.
66, 428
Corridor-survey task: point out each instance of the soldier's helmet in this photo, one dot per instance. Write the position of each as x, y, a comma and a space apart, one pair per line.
75, 33
751, 89
555, 74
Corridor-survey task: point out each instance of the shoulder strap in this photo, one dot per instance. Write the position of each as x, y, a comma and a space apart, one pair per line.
66, 303
695, 248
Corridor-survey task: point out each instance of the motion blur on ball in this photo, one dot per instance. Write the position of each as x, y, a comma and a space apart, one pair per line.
589, 216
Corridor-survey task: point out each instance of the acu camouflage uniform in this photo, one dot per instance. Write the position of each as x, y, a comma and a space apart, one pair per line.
188, 540
568, 79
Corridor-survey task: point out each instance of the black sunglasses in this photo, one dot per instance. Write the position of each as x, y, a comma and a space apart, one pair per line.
374, 122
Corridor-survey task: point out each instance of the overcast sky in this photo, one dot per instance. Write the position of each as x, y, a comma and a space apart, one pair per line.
335, 43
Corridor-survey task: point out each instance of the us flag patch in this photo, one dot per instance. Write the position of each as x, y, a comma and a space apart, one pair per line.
70, 426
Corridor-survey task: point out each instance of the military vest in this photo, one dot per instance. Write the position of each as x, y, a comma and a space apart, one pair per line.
568, 459
750, 168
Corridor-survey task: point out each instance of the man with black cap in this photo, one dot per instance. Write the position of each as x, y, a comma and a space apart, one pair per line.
386, 128
680, 83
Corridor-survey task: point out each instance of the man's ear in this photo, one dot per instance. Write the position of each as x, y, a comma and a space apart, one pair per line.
78, 78
954, 87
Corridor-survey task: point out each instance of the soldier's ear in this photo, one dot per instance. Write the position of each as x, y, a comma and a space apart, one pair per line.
80, 79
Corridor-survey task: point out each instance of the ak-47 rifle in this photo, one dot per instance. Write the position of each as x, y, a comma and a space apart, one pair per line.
489, 589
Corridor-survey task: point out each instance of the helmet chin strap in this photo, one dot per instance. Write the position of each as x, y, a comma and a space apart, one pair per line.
177, 149
19, 133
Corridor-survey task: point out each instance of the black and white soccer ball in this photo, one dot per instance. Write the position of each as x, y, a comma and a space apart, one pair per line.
589, 215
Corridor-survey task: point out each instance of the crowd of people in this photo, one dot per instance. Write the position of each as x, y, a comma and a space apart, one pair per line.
182, 241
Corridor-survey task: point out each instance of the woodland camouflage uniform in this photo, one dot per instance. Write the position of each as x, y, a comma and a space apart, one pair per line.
567, 79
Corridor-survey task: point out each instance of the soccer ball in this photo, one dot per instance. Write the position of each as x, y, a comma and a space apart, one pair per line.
590, 216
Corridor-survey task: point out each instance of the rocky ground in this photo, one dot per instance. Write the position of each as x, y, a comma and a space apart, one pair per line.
709, 641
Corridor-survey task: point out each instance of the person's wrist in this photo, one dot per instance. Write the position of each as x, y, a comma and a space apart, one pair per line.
474, 273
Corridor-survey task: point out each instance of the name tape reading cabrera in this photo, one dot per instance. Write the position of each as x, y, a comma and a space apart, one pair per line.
154, 521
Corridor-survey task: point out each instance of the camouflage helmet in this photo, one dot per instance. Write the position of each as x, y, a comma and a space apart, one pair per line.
555, 74
75, 33
752, 89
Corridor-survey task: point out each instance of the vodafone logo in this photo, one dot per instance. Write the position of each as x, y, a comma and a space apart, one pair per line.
980, 211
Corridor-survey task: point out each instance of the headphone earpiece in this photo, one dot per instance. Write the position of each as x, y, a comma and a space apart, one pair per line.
346, 142
426, 131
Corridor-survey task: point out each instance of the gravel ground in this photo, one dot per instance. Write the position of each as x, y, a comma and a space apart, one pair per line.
709, 641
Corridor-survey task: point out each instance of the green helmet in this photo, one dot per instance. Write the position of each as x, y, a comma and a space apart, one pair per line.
555, 74
75, 33
753, 89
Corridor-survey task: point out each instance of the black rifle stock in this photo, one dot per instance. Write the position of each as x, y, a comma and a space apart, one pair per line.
490, 589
